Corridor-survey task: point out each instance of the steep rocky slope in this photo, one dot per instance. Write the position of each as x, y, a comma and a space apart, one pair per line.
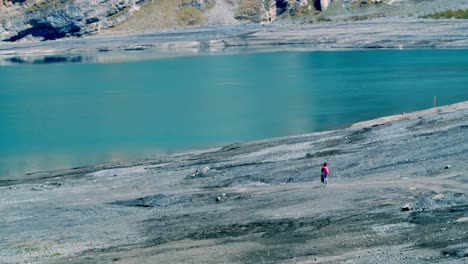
55, 19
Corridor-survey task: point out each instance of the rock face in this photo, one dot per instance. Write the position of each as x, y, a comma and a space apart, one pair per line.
49, 20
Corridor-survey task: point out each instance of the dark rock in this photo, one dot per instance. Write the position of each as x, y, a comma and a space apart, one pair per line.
231, 147
92, 20
405, 208
137, 47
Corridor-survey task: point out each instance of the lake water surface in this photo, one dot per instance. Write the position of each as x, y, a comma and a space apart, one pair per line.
62, 115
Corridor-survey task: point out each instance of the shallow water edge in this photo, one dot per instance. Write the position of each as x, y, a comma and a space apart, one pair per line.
83, 171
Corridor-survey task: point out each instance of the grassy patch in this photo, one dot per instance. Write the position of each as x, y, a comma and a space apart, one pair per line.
323, 18
304, 11
335, 8
365, 17
249, 10
189, 16
458, 14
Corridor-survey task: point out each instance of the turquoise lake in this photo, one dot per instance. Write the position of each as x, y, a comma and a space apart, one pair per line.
64, 115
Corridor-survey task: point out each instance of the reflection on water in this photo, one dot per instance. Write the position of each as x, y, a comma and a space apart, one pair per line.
102, 56
46, 59
106, 55
135, 53
55, 114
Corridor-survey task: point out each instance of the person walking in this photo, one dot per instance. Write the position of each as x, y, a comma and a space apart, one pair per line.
324, 174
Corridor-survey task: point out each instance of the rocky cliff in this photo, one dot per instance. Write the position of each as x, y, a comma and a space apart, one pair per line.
55, 19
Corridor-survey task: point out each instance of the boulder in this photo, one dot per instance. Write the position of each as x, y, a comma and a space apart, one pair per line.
407, 207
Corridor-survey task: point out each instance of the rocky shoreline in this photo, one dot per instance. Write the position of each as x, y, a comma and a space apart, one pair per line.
375, 34
397, 194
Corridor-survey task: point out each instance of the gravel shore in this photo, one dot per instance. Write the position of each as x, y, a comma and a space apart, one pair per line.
397, 194
391, 33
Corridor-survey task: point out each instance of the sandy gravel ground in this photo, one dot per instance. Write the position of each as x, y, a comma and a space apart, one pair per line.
397, 194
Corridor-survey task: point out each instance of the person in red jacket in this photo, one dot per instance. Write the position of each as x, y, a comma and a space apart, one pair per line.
324, 177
